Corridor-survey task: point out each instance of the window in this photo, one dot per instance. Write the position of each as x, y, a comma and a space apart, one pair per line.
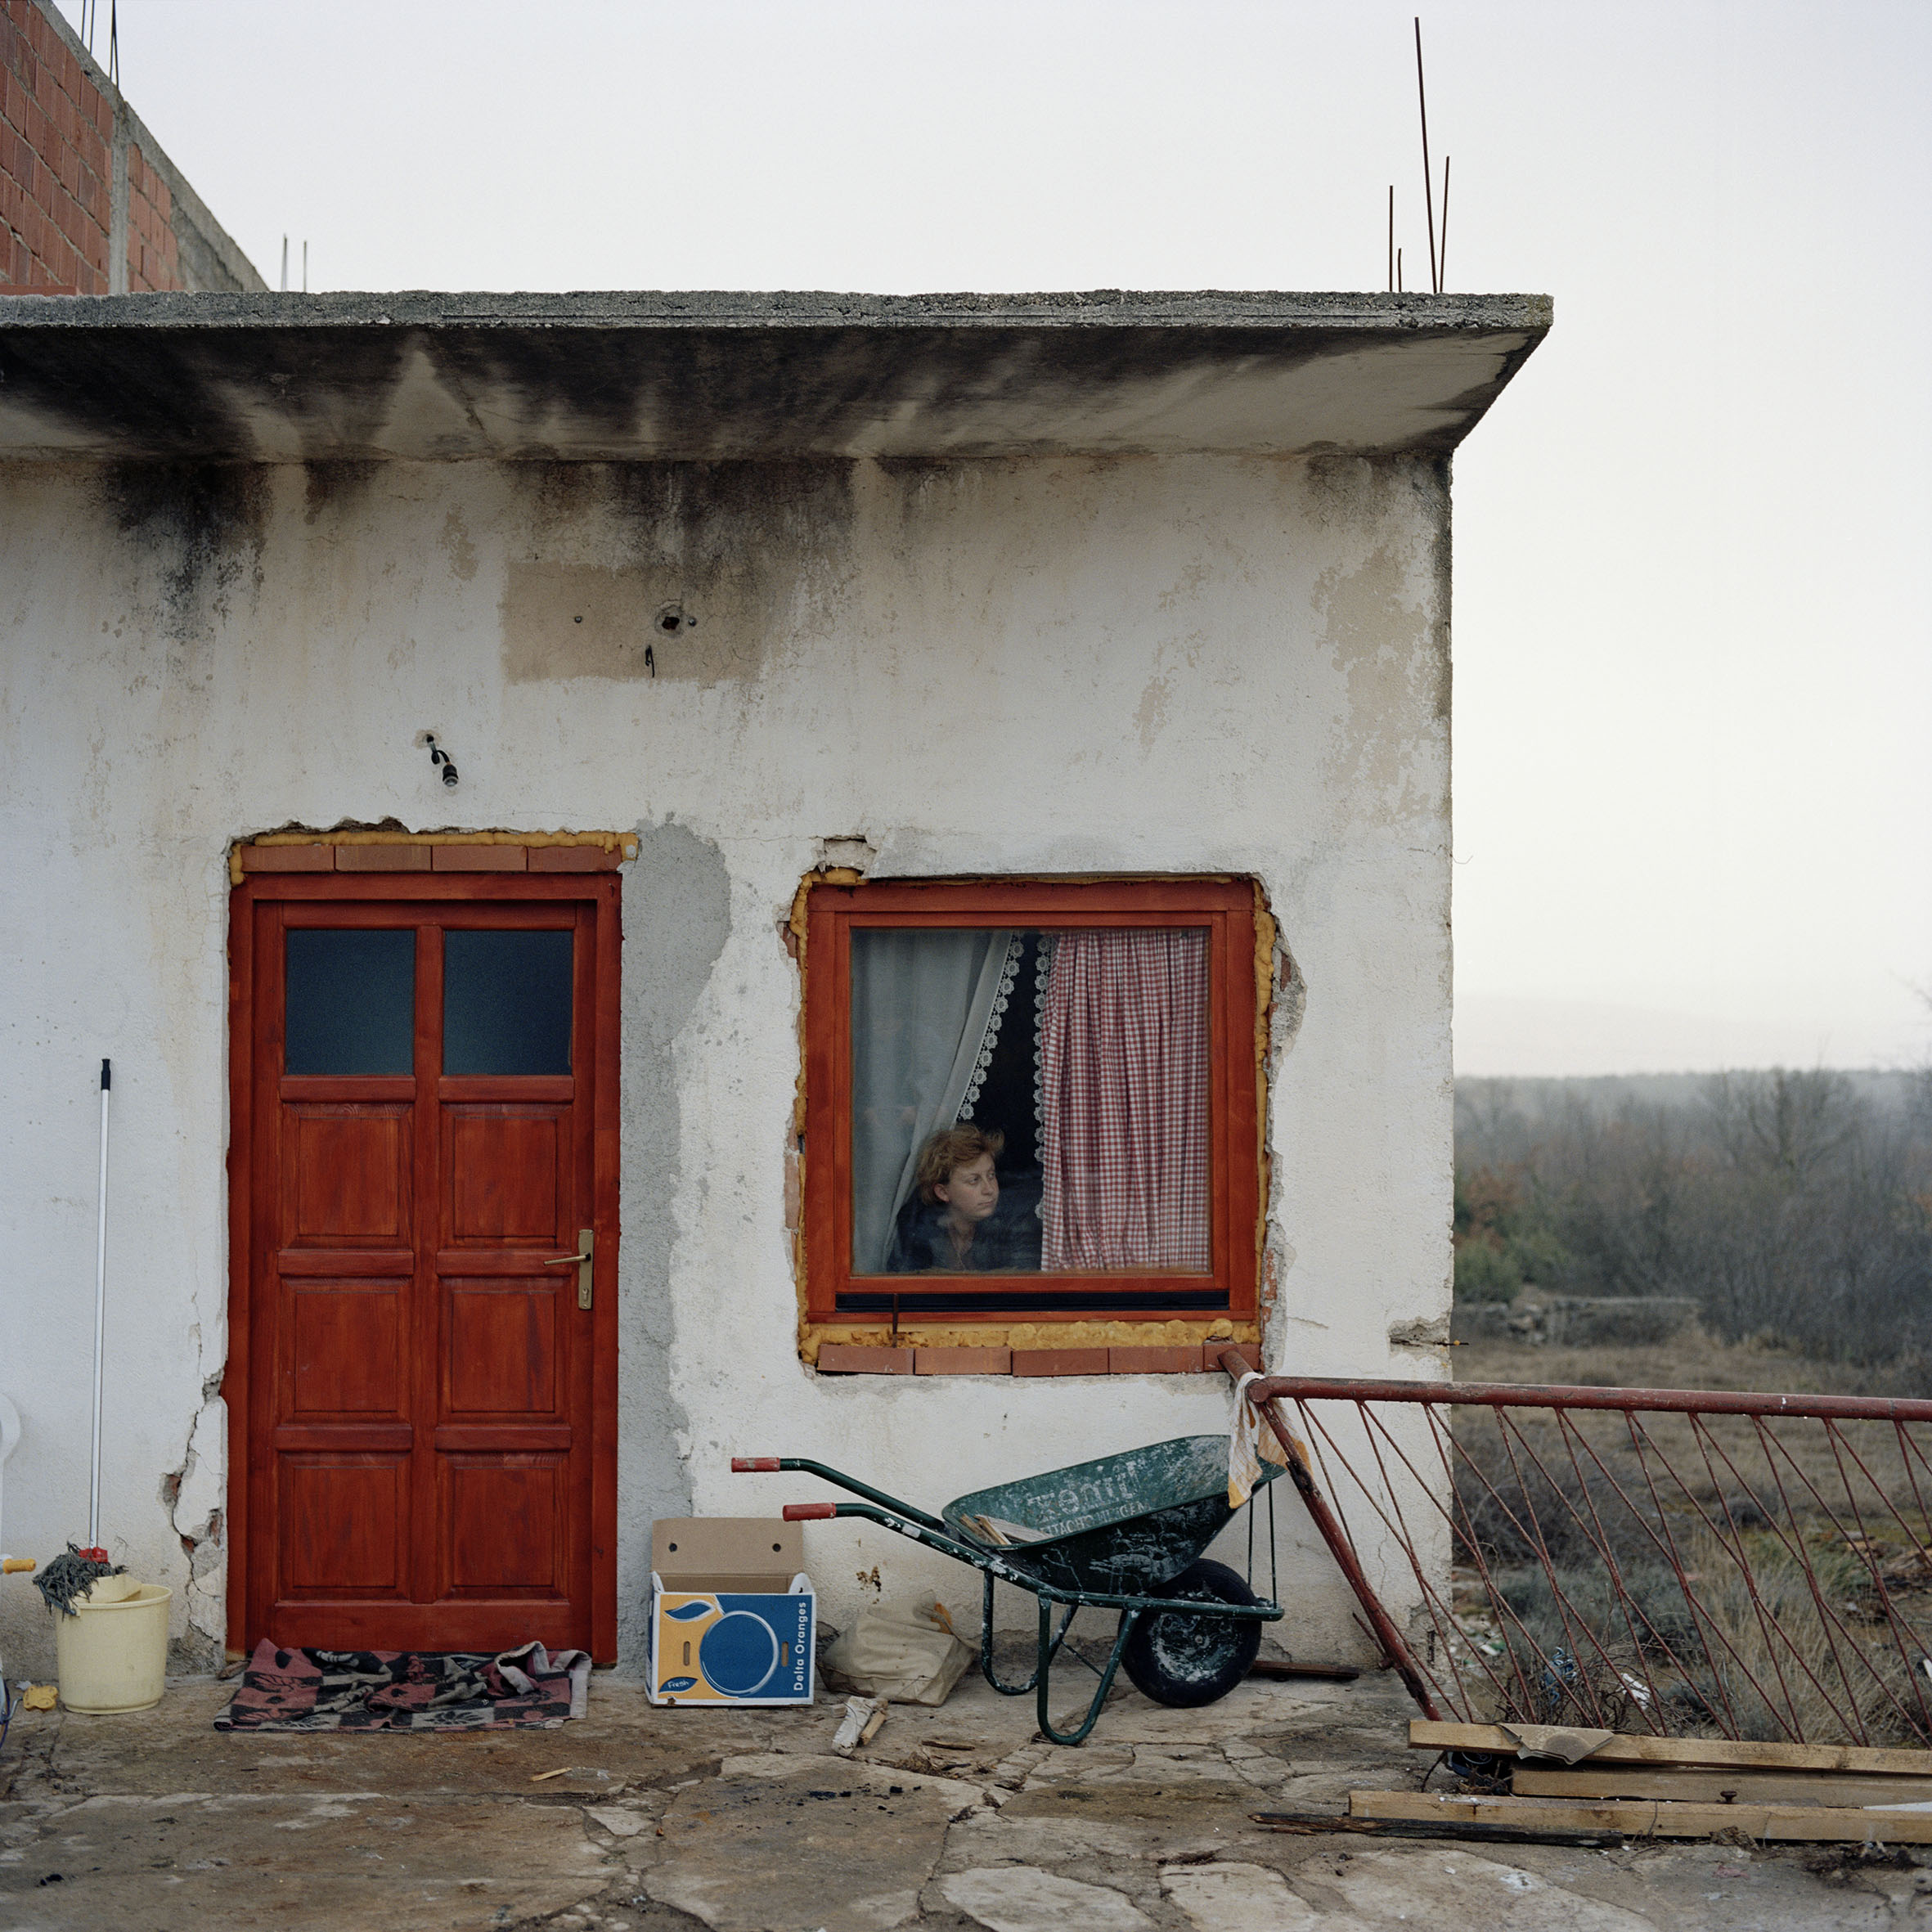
1034, 1100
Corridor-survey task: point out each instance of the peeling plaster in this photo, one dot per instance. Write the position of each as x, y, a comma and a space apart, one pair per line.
194, 1496
169, 681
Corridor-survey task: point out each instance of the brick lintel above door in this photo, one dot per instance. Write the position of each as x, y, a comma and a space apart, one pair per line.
430, 851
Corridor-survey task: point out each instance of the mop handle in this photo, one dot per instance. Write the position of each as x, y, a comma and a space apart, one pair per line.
100, 1318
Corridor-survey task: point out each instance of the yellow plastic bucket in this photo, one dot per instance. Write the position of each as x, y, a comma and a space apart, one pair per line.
113, 1655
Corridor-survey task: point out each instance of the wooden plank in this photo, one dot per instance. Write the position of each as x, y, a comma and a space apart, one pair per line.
1838, 1788
1424, 1735
1319, 1824
1637, 1817
1287, 1667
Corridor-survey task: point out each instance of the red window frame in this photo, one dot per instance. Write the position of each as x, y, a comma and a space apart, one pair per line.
1227, 908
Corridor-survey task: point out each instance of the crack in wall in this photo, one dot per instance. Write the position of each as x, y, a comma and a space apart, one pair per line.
192, 1496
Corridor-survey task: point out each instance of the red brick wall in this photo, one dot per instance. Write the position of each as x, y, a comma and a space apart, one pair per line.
57, 134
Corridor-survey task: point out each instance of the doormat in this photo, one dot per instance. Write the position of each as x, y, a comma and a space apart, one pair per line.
296, 1690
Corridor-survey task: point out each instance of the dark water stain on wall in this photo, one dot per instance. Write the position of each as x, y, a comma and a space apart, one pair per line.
705, 564
331, 487
199, 527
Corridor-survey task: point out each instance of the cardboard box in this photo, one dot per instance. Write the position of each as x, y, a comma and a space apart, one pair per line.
733, 1613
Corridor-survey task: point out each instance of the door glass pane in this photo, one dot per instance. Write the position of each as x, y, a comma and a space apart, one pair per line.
507, 1002
350, 1001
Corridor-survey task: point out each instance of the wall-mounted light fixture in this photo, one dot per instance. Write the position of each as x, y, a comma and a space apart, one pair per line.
438, 755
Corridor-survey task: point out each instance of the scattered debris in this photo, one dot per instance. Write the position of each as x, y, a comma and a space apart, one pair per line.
1560, 1744
999, 1533
542, 1775
619, 1822
861, 1724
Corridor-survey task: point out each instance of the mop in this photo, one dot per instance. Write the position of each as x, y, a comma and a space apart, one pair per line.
75, 1572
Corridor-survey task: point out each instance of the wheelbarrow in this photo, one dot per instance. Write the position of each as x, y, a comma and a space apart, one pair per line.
1124, 1532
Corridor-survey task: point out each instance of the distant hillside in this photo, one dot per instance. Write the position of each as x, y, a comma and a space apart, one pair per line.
1888, 1089
1791, 1207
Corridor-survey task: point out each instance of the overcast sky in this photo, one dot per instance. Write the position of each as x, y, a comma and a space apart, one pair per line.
1693, 667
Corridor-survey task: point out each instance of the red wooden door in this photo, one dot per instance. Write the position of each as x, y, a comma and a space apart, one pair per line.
430, 1141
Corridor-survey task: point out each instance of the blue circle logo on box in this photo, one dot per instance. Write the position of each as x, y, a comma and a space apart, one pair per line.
737, 1653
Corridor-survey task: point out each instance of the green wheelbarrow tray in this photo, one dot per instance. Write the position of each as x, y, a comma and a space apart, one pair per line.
1121, 1525
1123, 1533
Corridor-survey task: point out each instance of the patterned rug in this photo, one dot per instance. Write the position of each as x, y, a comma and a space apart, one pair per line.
407, 1690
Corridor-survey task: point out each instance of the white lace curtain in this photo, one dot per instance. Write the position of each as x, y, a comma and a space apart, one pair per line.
926, 1007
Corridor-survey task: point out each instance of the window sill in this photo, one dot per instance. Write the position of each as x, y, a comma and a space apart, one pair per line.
1189, 1359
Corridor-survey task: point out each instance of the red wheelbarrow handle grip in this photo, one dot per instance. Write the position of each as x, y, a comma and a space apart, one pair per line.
741, 1464
809, 1512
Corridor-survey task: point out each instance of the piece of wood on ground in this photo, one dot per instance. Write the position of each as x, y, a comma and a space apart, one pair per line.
1309, 1824
1341, 1674
1840, 1788
1718, 1753
1637, 1817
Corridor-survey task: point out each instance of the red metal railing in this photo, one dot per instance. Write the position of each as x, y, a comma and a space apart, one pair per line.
1680, 1562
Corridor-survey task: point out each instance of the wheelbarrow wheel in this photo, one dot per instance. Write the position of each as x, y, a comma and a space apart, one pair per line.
1184, 1661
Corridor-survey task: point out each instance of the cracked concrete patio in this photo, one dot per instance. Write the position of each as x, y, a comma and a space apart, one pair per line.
956, 1818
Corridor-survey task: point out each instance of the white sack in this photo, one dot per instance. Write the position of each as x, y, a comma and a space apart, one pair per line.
907, 1655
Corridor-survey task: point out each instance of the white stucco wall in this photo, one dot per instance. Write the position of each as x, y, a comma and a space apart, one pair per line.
1149, 664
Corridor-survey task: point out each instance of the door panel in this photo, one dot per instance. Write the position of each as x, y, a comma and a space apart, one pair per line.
508, 1170
507, 1352
345, 1175
342, 1357
345, 1526
505, 1521
430, 1434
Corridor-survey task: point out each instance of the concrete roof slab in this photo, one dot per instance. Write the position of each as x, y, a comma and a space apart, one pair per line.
284, 378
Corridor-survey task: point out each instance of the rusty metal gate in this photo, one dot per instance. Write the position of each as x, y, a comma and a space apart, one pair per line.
1684, 1562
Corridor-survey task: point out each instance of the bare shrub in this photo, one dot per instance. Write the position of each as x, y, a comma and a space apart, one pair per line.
1792, 1206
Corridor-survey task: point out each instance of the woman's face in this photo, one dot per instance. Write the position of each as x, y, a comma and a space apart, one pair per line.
971, 1192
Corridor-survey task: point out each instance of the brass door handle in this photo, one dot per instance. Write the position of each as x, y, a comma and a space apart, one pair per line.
587, 1242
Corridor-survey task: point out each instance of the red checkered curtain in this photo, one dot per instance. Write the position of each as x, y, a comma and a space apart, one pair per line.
1124, 1091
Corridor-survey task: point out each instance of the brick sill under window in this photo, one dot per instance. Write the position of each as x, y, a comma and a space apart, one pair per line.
1190, 1359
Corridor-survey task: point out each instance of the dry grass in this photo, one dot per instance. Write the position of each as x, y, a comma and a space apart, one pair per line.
1760, 1644
1787, 1655
1692, 1361
1794, 1660
1805, 1471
